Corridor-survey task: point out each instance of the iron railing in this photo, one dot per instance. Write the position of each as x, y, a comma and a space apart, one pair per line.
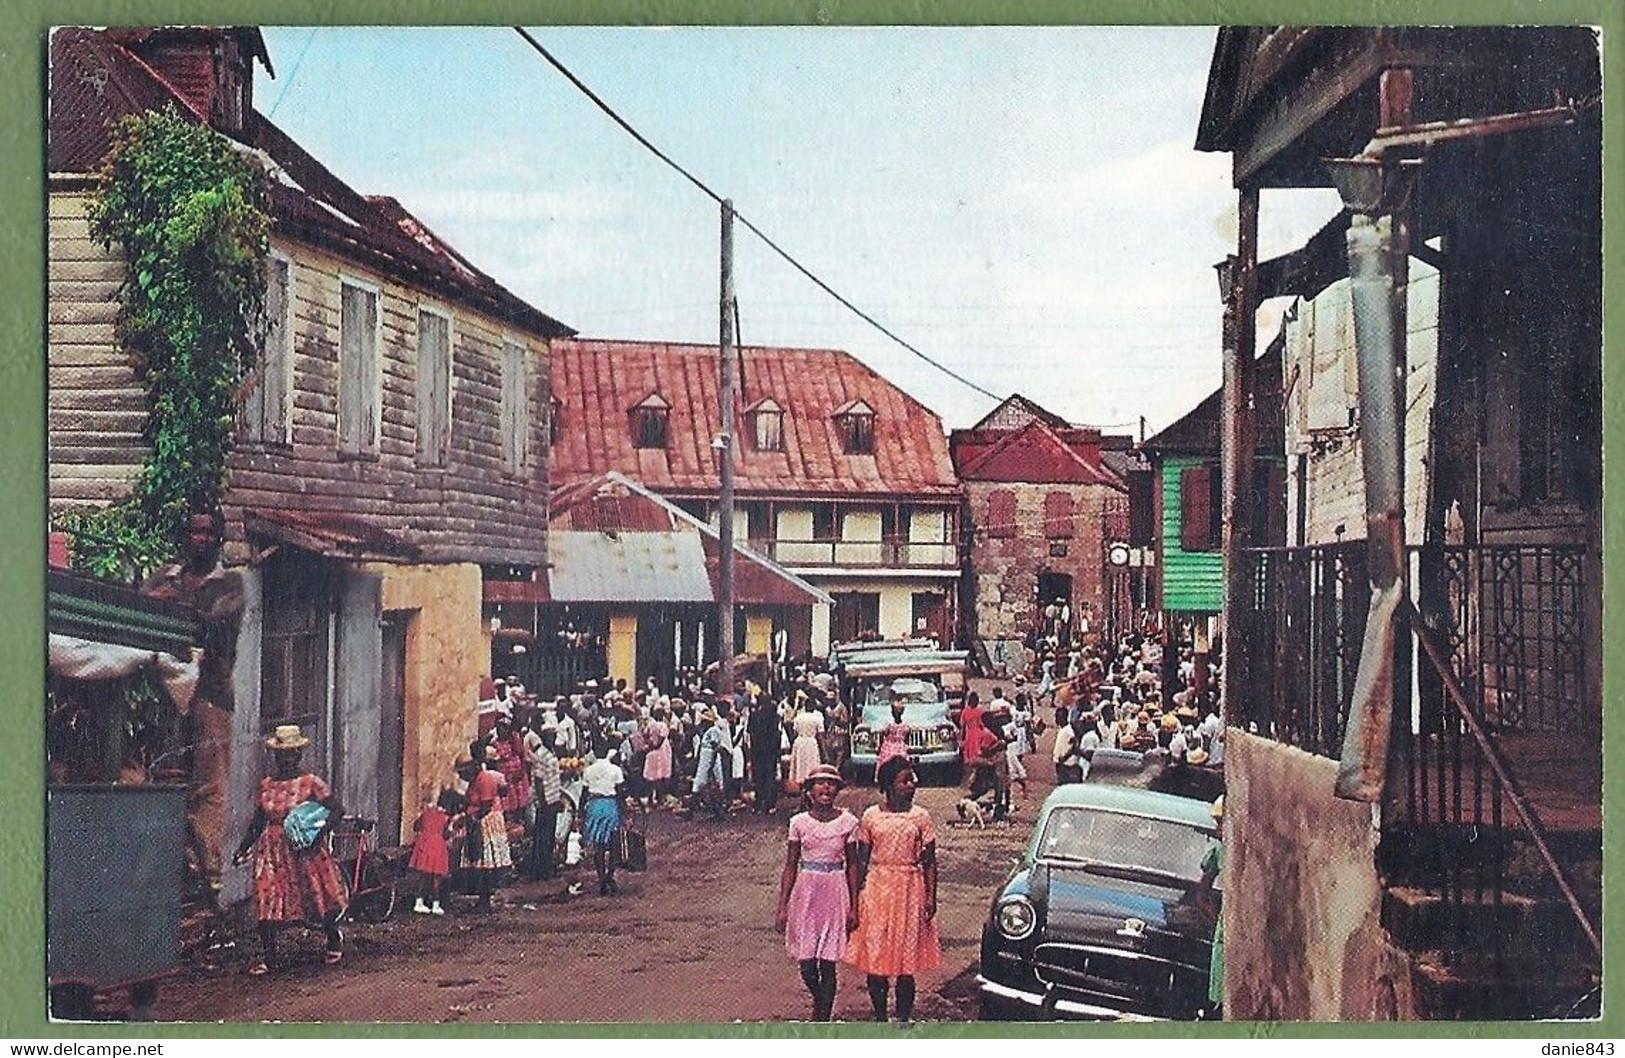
876, 554
1301, 633
1501, 724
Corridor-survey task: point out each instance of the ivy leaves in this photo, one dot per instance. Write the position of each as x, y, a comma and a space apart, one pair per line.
190, 212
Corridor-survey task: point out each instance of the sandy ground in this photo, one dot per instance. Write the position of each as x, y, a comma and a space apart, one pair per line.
691, 939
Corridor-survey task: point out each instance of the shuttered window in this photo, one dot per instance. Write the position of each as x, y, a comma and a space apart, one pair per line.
1058, 516
1199, 508
1001, 514
434, 388
267, 411
359, 375
515, 419
1141, 508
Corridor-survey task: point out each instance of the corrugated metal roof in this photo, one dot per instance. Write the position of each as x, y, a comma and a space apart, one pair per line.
95, 81
597, 382
634, 567
329, 533
1197, 432
615, 505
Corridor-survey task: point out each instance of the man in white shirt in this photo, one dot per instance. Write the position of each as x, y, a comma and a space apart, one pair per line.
603, 781
566, 734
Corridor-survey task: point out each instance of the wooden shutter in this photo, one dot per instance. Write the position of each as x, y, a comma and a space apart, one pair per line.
1001, 514
1058, 516
515, 393
358, 370
434, 389
1141, 508
1196, 508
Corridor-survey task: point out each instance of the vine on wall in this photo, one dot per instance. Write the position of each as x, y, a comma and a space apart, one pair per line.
191, 214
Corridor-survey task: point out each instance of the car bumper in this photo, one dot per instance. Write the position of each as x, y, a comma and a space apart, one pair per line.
865, 758
1043, 1007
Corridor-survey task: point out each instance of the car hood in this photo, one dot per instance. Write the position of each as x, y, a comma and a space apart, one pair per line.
1083, 906
915, 714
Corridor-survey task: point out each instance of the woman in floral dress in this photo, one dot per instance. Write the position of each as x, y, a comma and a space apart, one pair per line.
893, 739
817, 887
485, 847
896, 934
291, 884
657, 753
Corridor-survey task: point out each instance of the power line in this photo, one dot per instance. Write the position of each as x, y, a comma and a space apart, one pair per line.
753, 229
294, 70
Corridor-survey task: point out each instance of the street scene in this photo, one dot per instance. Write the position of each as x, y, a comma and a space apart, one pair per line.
898, 526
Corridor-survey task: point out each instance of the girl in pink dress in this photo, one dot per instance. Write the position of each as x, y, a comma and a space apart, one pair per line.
657, 759
817, 886
893, 738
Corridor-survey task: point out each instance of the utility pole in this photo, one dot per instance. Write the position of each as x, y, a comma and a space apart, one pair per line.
725, 452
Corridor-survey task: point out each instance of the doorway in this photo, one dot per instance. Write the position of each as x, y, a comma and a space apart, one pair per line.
392, 724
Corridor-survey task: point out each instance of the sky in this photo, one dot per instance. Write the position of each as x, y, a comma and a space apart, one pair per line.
1023, 205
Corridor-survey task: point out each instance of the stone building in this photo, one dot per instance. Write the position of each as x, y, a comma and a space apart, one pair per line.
1037, 498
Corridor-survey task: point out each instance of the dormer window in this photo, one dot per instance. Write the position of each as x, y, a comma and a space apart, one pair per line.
855, 422
650, 422
767, 425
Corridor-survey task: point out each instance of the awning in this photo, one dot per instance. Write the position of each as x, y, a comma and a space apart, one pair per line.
331, 533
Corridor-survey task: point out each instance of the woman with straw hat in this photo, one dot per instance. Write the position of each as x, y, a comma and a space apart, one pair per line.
818, 887
295, 878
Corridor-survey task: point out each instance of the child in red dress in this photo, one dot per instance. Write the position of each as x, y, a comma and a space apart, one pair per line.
431, 853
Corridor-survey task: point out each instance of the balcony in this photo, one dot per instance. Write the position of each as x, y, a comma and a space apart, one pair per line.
859, 554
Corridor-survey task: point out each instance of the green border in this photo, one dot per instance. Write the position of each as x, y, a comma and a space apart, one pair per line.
23, 26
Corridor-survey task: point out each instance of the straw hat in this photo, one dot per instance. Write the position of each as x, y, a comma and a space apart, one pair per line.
1196, 757
1218, 808
287, 736
824, 773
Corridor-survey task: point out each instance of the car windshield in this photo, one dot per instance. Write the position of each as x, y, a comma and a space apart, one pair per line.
1126, 841
922, 700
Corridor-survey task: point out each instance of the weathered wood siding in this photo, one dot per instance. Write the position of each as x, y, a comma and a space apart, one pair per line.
1319, 364
96, 405
1192, 581
469, 510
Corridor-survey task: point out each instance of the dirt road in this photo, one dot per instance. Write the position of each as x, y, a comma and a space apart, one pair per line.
691, 939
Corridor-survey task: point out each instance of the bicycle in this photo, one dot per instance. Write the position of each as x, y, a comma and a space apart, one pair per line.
370, 873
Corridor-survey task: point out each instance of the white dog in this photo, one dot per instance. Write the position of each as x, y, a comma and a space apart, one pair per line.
971, 812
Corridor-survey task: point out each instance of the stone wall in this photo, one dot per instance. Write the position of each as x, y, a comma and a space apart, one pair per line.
1004, 570
1302, 899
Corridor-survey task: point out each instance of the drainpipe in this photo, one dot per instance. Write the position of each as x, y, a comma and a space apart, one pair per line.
1376, 193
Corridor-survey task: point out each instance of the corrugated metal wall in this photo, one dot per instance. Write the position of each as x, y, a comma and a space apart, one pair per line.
1191, 581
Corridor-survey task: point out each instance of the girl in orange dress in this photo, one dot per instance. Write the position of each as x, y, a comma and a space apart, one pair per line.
291, 884
896, 933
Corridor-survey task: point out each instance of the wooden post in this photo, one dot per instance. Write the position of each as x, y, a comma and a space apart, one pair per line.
725, 452
1236, 448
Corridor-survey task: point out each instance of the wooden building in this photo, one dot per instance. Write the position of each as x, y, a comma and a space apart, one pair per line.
1416, 701
392, 458
840, 477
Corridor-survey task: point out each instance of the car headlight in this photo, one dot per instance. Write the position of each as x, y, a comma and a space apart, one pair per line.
1016, 918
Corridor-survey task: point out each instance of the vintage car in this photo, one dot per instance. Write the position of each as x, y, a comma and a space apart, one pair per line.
933, 738
1105, 915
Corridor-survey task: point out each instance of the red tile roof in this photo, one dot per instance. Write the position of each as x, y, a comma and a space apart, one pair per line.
95, 80
597, 382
